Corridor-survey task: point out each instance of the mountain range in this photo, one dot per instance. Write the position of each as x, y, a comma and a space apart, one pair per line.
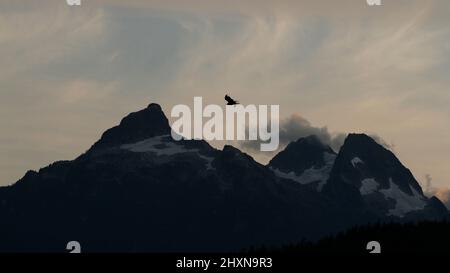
138, 190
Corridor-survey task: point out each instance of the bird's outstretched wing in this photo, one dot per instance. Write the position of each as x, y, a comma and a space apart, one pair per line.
230, 101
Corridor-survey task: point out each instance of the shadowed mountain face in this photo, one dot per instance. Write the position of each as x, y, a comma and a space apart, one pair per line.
306, 161
367, 174
137, 190
136, 126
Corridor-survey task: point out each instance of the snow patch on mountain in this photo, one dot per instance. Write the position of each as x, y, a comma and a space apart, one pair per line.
157, 145
311, 175
404, 202
368, 186
162, 146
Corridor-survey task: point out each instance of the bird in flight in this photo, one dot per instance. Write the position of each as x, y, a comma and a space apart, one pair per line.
230, 101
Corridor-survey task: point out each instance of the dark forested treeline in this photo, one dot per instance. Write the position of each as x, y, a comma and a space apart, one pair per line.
393, 238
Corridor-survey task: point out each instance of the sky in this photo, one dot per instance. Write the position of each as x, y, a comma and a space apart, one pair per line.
335, 67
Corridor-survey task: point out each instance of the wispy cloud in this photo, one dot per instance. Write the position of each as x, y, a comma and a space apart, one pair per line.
442, 193
294, 127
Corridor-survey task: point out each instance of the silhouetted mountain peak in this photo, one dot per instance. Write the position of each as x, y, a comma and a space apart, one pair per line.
234, 154
139, 190
362, 157
304, 153
361, 141
154, 107
137, 126
364, 170
306, 160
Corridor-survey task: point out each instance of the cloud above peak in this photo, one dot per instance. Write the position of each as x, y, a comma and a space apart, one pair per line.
296, 126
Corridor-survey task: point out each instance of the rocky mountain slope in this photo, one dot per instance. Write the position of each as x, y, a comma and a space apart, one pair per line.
138, 190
